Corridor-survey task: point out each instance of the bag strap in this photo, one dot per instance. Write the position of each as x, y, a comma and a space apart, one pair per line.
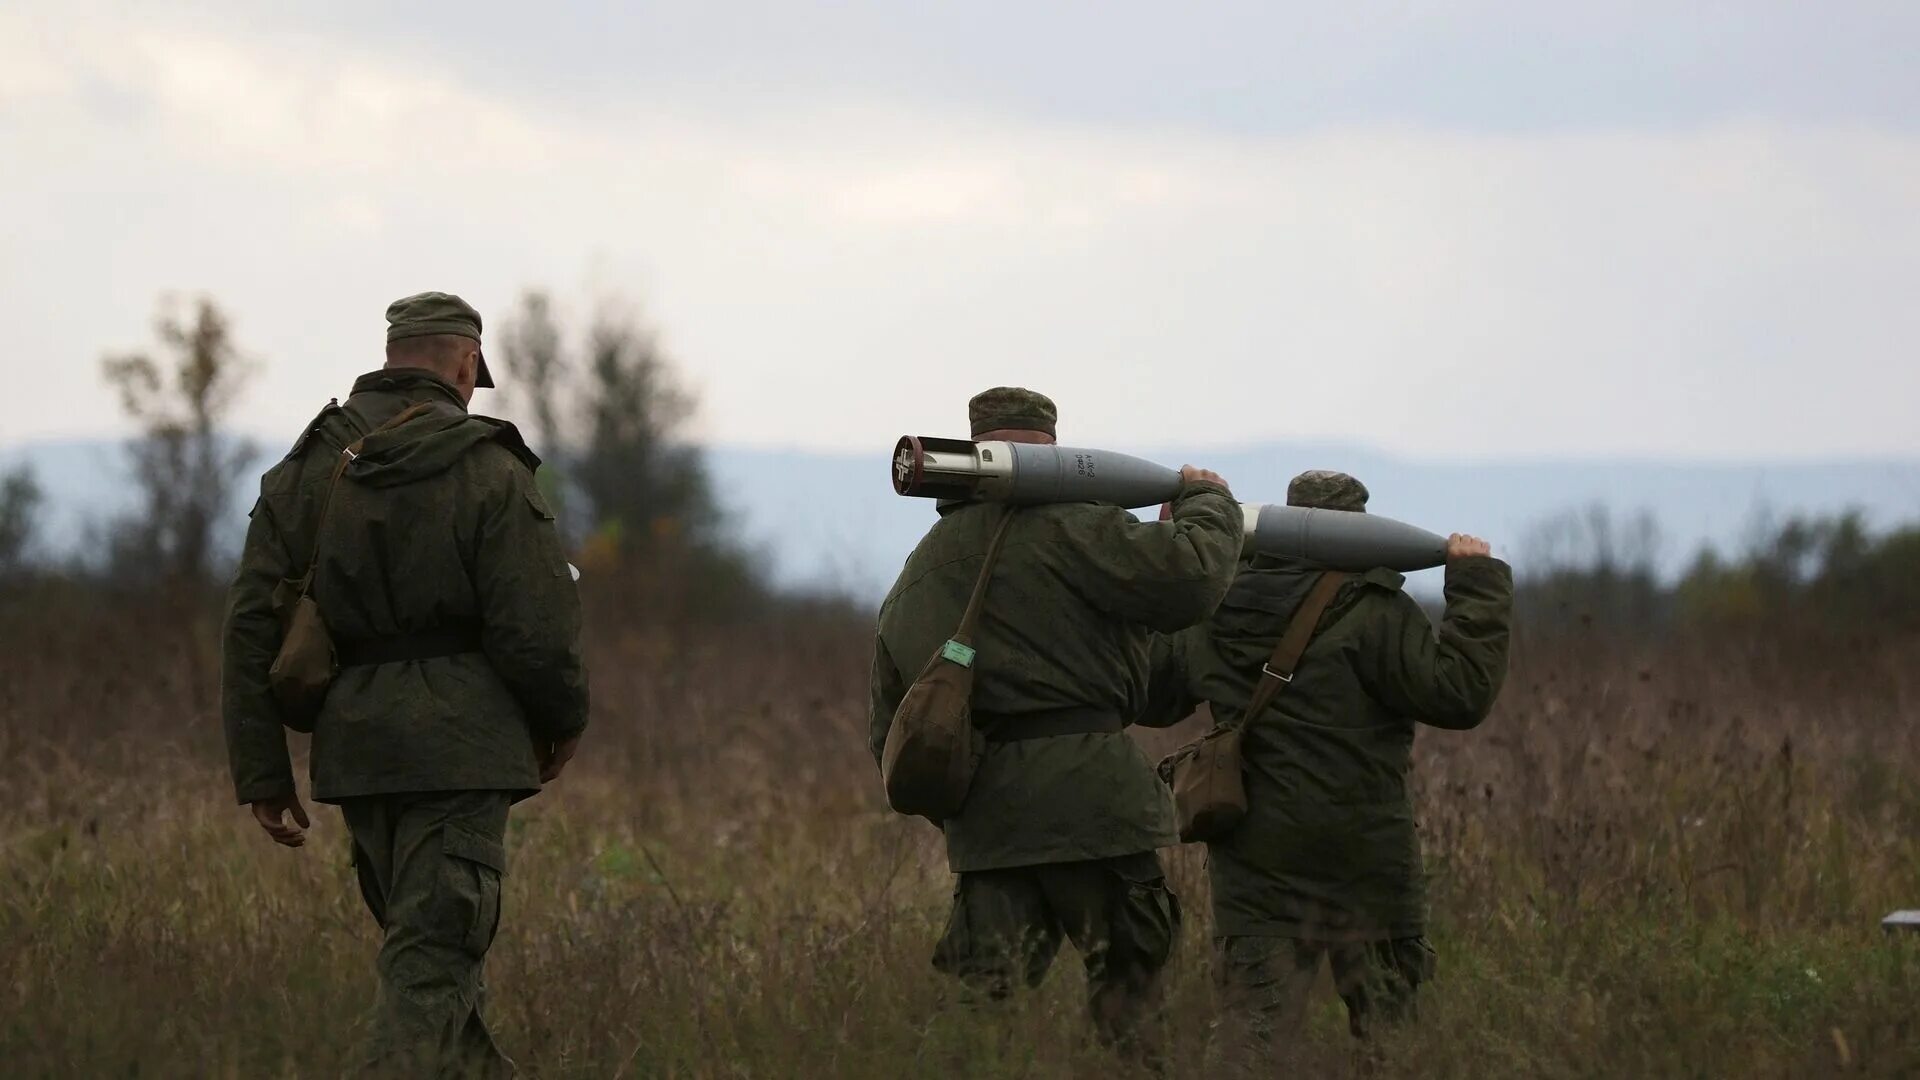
1278, 670
347, 456
971, 620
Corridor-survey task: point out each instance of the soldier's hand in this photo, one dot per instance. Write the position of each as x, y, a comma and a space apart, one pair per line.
1190, 474
556, 757
271, 814
1461, 546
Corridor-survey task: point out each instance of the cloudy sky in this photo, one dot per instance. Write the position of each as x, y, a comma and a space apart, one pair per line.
1442, 230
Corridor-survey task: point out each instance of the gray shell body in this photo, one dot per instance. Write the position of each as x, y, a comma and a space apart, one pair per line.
1341, 539
1050, 474
1029, 474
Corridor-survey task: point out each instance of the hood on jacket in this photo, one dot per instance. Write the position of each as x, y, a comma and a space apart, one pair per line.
430, 444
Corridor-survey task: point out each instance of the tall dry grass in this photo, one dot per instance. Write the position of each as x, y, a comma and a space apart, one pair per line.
1656, 859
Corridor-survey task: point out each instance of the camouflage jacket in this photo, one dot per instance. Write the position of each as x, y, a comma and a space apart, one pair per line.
1328, 848
1067, 623
437, 524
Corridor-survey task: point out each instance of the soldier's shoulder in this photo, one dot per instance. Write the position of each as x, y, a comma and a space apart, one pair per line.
1087, 511
322, 435
500, 448
1076, 516
330, 412
1380, 595
1382, 579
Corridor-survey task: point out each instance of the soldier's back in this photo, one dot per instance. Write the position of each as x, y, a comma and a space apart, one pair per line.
403, 577
1062, 661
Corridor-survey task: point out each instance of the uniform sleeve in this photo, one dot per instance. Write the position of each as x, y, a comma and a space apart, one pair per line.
1164, 575
1169, 698
886, 690
530, 608
1447, 679
256, 743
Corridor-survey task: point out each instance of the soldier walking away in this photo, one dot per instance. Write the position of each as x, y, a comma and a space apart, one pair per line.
1325, 862
1058, 832
441, 581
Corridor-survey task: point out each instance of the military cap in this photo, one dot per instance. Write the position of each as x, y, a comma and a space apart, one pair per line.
1011, 408
436, 313
1325, 489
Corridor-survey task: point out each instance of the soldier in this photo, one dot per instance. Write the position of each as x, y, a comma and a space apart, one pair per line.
460, 687
1059, 829
1325, 862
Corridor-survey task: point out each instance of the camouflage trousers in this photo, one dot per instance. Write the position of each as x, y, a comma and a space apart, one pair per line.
430, 866
1264, 983
1006, 927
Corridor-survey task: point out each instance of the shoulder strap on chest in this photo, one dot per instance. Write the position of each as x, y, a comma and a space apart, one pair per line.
1278, 670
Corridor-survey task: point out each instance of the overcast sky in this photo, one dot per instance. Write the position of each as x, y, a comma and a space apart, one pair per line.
1454, 230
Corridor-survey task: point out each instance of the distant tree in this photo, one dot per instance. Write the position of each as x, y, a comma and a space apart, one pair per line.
20, 503
1879, 587
1590, 566
1594, 538
1716, 591
1827, 572
610, 421
536, 367
185, 462
641, 479
613, 425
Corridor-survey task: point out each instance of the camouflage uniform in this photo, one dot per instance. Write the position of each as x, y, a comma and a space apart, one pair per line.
1057, 837
443, 584
1326, 861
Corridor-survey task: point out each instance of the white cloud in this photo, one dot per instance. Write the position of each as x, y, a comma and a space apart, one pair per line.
835, 273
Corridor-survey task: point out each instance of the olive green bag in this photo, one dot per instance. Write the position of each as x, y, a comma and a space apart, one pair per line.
1209, 793
932, 749
306, 665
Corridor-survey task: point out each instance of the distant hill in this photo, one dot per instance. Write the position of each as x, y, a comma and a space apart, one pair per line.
832, 520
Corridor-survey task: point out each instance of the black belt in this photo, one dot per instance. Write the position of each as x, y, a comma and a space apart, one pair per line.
1014, 727
424, 645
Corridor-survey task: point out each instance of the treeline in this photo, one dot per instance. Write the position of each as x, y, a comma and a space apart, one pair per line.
1826, 575
606, 408
602, 403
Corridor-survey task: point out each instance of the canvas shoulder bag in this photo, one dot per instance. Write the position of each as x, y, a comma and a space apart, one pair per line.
1209, 792
932, 749
306, 664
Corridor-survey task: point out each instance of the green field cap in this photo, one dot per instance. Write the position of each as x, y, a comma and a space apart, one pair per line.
436, 313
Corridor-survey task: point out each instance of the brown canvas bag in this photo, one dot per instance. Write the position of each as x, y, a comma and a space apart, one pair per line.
306, 664
1209, 793
932, 749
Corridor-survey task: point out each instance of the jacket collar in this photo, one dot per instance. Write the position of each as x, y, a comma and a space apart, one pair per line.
414, 384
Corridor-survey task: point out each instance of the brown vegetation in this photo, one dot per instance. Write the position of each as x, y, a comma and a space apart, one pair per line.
1653, 860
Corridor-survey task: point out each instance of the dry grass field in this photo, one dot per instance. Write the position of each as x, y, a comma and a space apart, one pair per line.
1657, 859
